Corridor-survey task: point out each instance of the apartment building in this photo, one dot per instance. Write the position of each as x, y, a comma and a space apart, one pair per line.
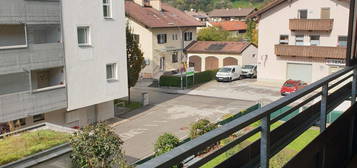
59, 62
301, 42
163, 32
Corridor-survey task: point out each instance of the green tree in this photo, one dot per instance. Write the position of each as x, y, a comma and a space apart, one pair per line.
252, 33
135, 59
97, 146
213, 34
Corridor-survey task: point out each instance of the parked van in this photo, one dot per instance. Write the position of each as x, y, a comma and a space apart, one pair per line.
249, 71
229, 73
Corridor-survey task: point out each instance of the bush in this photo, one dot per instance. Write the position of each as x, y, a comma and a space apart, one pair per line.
200, 78
97, 146
166, 143
201, 127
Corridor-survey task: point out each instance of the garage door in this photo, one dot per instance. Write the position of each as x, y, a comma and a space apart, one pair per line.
300, 72
211, 63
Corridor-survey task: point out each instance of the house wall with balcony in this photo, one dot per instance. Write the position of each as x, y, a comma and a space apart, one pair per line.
276, 21
30, 11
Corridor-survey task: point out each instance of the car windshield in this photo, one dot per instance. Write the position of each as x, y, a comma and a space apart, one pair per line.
248, 67
288, 85
225, 70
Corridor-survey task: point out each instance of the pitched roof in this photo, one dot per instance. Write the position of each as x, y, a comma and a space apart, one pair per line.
152, 18
222, 47
198, 14
234, 12
272, 4
231, 25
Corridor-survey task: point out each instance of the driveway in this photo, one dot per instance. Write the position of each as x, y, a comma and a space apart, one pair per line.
246, 89
171, 113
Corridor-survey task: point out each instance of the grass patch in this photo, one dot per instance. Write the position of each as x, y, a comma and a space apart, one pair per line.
279, 159
25, 144
131, 106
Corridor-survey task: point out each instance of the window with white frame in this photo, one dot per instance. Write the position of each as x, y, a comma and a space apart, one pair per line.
112, 71
302, 14
175, 57
83, 33
299, 40
284, 39
188, 36
161, 38
174, 37
107, 8
342, 41
315, 40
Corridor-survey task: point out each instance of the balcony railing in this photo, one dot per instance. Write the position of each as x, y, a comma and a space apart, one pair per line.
36, 56
310, 51
311, 24
24, 104
30, 11
319, 98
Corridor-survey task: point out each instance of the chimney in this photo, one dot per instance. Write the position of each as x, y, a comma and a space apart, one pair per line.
156, 4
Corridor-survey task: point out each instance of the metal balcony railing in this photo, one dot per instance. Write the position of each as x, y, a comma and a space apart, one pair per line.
320, 98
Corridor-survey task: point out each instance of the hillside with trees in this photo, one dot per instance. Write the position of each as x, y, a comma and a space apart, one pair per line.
208, 5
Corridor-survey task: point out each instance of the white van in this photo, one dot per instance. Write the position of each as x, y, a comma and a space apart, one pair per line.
229, 73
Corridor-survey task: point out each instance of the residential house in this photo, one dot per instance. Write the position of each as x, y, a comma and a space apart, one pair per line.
199, 15
162, 31
59, 62
240, 14
236, 28
301, 42
210, 55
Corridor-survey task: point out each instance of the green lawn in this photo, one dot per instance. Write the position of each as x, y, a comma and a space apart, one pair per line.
247, 4
279, 159
132, 105
18, 146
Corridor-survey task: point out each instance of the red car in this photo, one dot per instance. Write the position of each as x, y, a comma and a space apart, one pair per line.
291, 86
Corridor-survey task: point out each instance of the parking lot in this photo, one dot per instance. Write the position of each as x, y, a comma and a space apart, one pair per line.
246, 89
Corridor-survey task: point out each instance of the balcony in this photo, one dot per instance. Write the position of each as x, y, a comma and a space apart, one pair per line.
311, 24
24, 104
36, 56
332, 147
310, 51
30, 11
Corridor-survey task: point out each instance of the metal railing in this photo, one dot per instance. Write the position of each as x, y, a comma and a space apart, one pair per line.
322, 97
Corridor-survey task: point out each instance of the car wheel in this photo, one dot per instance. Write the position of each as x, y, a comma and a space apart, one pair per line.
240, 77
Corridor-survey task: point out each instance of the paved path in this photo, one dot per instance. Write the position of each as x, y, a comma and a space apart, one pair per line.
171, 113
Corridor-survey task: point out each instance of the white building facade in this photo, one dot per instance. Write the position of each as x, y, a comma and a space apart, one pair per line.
60, 62
301, 42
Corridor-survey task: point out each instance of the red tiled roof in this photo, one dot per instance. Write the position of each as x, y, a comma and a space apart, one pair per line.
152, 18
222, 47
235, 12
231, 25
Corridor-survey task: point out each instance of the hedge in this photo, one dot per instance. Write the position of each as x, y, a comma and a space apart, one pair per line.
200, 78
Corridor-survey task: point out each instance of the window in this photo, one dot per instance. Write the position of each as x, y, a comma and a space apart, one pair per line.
174, 37
342, 41
107, 9
284, 39
83, 36
19, 122
188, 36
325, 13
234, 70
37, 118
161, 38
136, 37
174, 57
299, 40
111, 72
302, 14
315, 40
